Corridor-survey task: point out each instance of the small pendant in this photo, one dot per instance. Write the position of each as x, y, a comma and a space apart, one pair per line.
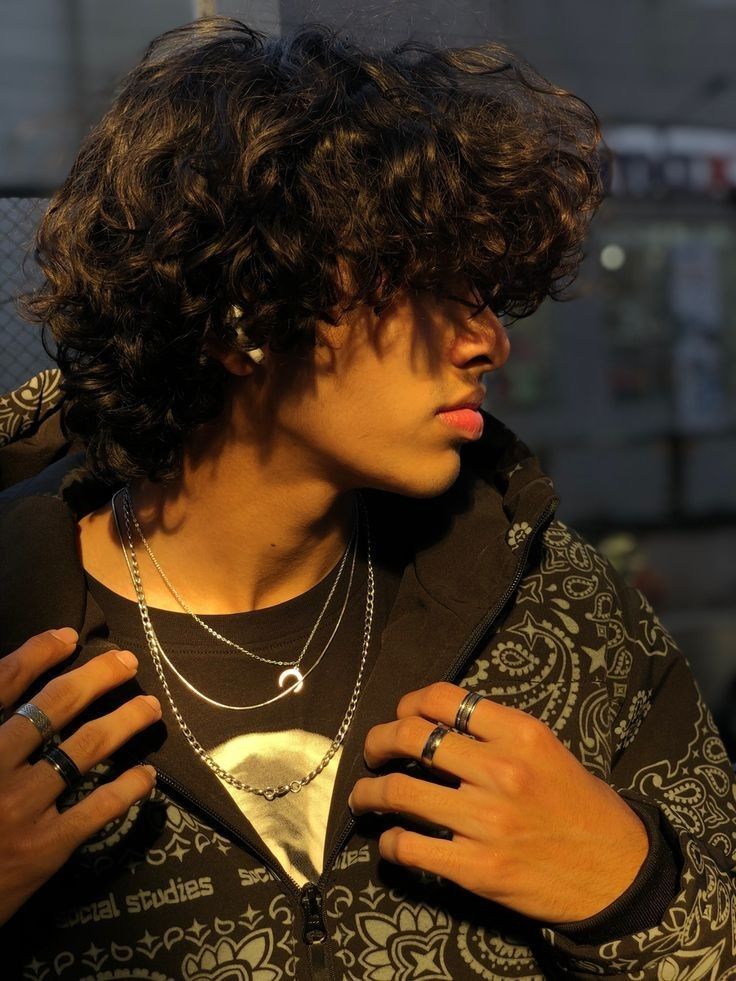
296, 673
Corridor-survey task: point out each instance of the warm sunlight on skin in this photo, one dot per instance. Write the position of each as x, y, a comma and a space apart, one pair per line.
264, 508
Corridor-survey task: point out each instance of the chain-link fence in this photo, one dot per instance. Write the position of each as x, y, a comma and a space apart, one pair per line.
20, 342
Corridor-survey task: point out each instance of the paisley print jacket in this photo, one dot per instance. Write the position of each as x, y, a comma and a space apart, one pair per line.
500, 597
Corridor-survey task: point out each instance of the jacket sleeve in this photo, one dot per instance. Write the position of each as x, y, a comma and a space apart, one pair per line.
32, 435
677, 921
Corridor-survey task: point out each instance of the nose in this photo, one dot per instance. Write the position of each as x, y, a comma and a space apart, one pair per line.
489, 342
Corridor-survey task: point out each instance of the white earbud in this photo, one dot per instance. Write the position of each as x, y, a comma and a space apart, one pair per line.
256, 354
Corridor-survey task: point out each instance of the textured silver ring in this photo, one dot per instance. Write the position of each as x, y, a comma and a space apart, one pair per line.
39, 718
466, 709
433, 740
63, 764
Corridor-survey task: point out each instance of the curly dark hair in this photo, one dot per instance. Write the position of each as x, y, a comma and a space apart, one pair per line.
237, 168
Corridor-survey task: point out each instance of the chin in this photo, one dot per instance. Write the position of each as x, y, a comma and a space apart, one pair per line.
421, 482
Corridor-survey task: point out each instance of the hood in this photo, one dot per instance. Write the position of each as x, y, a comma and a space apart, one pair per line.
467, 551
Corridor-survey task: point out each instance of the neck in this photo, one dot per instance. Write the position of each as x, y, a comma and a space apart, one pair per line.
232, 536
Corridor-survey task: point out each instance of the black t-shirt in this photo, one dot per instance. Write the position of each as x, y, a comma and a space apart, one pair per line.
284, 740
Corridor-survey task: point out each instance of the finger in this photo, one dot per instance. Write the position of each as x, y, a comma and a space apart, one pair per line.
106, 803
62, 699
450, 859
456, 755
94, 741
20, 668
400, 793
440, 701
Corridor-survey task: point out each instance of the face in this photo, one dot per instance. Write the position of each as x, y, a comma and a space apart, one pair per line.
361, 411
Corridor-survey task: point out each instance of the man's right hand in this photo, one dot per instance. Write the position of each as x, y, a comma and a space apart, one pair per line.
35, 838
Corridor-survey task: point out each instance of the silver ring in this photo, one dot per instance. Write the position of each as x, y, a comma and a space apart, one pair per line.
63, 764
466, 709
39, 718
433, 740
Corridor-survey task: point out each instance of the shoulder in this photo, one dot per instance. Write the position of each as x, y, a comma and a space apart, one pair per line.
41, 582
591, 591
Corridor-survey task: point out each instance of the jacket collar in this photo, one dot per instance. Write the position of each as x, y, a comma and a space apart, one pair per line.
467, 550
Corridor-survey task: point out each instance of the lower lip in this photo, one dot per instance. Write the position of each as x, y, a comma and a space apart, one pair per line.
468, 420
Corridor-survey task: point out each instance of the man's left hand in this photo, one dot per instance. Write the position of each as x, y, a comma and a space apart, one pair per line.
532, 829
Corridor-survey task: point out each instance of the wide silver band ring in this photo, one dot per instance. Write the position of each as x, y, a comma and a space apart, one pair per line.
63, 764
466, 709
39, 718
433, 740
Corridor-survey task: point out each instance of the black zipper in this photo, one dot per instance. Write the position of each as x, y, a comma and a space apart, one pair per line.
315, 934
310, 896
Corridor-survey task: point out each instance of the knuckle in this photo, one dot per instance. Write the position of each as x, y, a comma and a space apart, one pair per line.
395, 787
14, 811
499, 822
11, 673
484, 876
39, 644
404, 848
77, 826
438, 694
531, 732
146, 710
109, 802
111, 668
91, 740
25, 849
514, 777
408, 733
489, 768
63, 692
141, 783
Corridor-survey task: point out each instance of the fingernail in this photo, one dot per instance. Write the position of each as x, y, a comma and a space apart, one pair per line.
67, 635
350, 803
153, 702
150, 769
127, 658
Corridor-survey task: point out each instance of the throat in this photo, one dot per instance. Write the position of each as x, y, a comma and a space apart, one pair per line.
101, 556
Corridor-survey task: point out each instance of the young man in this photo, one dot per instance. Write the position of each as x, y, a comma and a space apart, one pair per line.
405, 722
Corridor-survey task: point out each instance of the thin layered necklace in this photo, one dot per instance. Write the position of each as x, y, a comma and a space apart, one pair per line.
293, 669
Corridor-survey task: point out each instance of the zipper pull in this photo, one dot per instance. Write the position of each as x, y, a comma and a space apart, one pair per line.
314, 925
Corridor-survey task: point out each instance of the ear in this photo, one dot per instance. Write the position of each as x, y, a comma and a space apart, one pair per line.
236, 362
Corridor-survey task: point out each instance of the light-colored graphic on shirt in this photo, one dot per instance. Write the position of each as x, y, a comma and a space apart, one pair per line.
293, 826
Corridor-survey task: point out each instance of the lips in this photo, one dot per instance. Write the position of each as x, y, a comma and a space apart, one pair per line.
474, 401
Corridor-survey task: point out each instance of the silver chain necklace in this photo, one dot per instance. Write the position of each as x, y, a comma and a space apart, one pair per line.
298, 684
130, 513
269, 793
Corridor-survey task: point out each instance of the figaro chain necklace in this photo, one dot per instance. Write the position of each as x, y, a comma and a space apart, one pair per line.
269, 793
